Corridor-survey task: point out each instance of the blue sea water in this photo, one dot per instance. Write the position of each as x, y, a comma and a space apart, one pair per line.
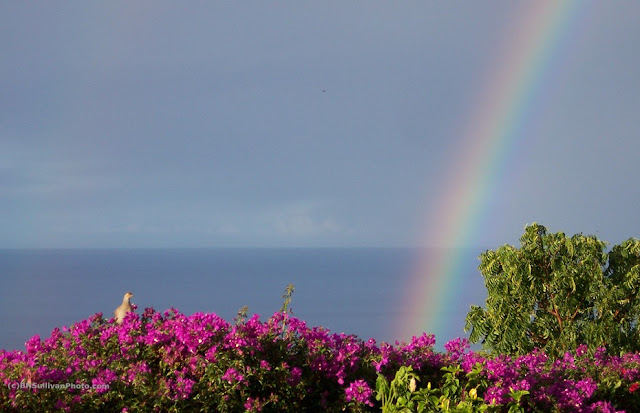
351, 290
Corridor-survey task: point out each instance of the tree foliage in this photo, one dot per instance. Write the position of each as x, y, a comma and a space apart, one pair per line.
557, 292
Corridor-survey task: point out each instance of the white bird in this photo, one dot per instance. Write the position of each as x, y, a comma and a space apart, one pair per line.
124, 308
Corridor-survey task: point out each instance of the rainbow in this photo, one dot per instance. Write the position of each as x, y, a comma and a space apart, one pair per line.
489, 137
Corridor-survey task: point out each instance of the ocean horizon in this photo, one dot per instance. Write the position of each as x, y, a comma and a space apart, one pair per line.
347, 290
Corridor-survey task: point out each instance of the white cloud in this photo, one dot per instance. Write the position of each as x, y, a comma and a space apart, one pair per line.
305, 220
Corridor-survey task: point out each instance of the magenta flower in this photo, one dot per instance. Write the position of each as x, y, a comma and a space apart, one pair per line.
232, 375
253, 405
264, 364
295, 375
173, 358
360, 392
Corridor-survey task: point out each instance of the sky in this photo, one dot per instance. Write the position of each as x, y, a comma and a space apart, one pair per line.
302, 124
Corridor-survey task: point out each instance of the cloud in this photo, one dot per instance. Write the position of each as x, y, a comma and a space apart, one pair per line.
305, 220
305, 225
50, 178
130, 229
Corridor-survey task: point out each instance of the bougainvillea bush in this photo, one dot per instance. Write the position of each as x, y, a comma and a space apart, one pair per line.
173, 362
576, 382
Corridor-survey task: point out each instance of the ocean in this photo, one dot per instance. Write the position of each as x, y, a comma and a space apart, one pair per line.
348, 290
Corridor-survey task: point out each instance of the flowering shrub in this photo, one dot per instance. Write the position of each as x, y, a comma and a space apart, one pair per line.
577, 382
173, 362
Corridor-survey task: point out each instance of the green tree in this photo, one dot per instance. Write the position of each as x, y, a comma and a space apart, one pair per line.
556, 293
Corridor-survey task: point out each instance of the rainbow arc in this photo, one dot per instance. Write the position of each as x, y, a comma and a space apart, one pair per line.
489, 137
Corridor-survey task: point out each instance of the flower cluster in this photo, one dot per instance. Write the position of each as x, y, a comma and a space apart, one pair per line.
173, 362
577, 382
360, 392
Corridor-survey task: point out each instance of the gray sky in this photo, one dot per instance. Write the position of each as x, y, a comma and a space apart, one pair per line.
164, 124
